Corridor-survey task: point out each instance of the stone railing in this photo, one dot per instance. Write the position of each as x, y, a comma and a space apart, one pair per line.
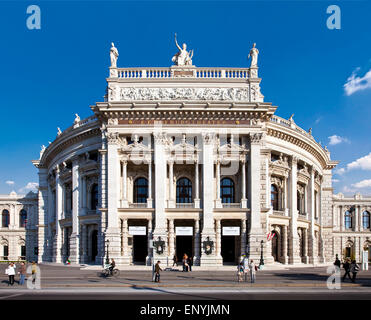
138, 205
231, 205
79, 124
185, 205
193, 72
278, 212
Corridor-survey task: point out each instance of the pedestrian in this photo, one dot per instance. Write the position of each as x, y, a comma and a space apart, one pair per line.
10, 271
190, 263
354, 268
240, 272
337, 262
184, 263
175, 260
22, 274
157, 271
253, 269
34, 271
245, 262
346, 266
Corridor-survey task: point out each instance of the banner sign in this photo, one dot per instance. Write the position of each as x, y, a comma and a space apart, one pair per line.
184, 231
231, 231
137, 231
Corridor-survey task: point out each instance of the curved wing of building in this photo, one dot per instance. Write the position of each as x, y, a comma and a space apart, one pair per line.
188, 161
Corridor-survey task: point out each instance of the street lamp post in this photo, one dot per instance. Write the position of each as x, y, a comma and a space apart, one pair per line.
107, 258
261, 255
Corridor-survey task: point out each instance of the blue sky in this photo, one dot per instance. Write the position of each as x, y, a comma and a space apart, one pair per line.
50, 74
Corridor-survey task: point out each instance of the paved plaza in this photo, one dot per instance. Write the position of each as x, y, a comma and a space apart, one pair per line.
59, 282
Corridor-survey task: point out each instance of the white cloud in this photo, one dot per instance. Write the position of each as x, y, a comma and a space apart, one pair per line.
31, 186
363, 163
348, 190
340, 171
362, 184
318, 120
336, 140
335, 180
9, 182
355, 83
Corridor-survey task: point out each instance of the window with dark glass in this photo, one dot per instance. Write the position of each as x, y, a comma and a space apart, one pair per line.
366, 220
348, 220
274, 197
184, 191
5, 218
6, 252
94, 197
22, 218
23, 251
140, 190
298, 199
227, 190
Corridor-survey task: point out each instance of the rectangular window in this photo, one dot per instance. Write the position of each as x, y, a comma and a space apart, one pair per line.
6, 252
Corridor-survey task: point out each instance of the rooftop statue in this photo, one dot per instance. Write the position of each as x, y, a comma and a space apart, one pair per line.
254, 56
114, 53
182, 57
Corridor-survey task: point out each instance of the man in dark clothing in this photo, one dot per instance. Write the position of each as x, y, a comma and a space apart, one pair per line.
157, 271
346, 266
112, 266
337, 262
190, 263
354, 268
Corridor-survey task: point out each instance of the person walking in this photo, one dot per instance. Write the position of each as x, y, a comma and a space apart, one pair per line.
337, 262
245, 262
190, 263
34, 271
184, 263
252, 268
346, 266
354, 268
10, 271
157, 271
22, 274
240, 272
175, 260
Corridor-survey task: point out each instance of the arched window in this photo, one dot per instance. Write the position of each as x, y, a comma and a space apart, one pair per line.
184, 191
5, 219
348, 220
94, 197
274, 197
366, 220
227, 190
22, 218
140, 190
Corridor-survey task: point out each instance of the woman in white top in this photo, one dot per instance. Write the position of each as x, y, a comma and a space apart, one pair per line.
10, 271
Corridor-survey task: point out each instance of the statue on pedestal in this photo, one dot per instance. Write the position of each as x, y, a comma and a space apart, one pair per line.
183, 57
254, 56
114, 53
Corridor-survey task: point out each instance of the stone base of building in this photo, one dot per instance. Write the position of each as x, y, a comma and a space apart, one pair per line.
211, 261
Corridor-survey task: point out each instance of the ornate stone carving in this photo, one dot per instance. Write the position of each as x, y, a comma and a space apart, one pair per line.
182, 57
114, 53
209, 138
254, 52
77, 119
113, 121
113, 93
255, 94
205, 94
112, 137
256, 137
161, 138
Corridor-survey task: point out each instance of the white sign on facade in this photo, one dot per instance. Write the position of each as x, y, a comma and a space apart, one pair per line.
231, 231
184, 231
137, 231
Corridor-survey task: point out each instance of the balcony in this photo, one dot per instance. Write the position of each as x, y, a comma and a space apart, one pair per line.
138, 205
190, 205
231, 205
279, 212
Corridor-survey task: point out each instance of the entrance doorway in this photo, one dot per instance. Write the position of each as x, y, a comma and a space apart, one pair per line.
275, 252
139, 249
184, 245
94, 245
229, 249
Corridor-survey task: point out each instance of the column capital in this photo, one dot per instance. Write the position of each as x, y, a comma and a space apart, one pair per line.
256, 138
112, 138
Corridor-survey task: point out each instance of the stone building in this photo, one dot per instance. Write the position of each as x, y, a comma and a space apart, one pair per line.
190, 160
18, 231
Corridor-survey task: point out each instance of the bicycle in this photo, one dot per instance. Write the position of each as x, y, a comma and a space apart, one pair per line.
106, 272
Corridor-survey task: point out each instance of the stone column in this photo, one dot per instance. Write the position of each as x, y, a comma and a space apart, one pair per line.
243, 237
44, 199
305, 246
196, 258
218, 202
255, 234
84, 239
356, 218
75, 236
208, 230
171, 184
218, 246
341, 218
125, 245
360, 212
149, 240
149, 200
243, 177
197, 186
284, 258
312, 258
160, 194
294, 256
57, 244
83, 191
171, 240
113, 181
124, 203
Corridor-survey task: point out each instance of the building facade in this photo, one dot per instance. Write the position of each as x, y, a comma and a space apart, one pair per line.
190, 160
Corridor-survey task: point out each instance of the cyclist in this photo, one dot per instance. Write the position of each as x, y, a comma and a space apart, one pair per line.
112, 266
